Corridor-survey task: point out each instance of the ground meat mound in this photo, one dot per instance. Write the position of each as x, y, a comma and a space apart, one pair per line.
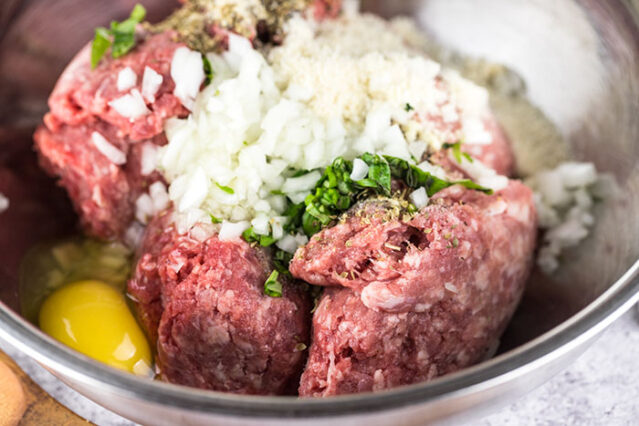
104, 193
216, 329
412, 298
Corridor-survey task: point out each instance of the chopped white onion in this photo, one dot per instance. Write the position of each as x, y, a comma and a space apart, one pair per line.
109, 151
160, 197
144, 208
260, 224
127, 79
187, 71
302, 183
419, 197
149, 158
196, 191
277, 228
4, 203
288, 243
360, 169
131, 105
151, 82
133, 235
231, 231
481, 174
451, 287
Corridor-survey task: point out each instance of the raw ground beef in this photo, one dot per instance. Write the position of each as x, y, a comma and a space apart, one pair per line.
204, 302
104, 193
414, 298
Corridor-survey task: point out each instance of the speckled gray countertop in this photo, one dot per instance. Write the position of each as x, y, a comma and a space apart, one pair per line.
600, 388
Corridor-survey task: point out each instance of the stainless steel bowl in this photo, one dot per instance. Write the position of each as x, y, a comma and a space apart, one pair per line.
580, 60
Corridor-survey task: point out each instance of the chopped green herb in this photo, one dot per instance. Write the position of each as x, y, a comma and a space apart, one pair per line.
226, 189
250, 236
272, 287
335, 192
101, 43
457, 152
455, 242
215, 219
277, 192
120, 37
408, 107
209, 74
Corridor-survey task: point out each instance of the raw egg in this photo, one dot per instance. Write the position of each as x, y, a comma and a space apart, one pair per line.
93, 318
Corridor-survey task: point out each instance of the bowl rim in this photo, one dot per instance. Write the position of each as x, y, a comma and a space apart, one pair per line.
543, 350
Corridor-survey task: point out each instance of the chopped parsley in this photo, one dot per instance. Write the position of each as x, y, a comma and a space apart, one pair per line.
120, 37
272, 287
457, 152
408, 107
226, 189
208, 72
215, 219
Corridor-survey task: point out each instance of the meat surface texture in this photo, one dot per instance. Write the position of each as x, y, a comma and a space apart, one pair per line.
103, 192
412, 298
204, 302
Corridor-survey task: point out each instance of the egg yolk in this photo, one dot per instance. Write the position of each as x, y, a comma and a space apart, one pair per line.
92, 317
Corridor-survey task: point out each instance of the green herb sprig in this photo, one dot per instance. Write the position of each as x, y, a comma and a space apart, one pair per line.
120, 37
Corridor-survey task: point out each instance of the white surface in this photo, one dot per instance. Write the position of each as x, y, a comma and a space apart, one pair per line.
600, 388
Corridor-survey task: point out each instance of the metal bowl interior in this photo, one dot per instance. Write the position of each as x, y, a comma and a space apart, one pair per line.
580, 60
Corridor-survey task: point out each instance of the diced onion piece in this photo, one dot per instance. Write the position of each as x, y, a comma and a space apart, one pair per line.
419, 197
160, 197
144, 208
302, 183
231, 231
131, 105
360, 169
197, 189
451, 287
109, 151
133, 235
482, 174
277, 228
434, 170
4, 203
288, 243
151, 82
574, 175
187, 71
301, 239
260, 224
127, 79
149, 158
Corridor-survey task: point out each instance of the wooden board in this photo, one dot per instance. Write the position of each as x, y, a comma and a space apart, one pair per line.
41, 408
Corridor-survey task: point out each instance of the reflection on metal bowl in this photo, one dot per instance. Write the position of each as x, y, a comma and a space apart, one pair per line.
580, 61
